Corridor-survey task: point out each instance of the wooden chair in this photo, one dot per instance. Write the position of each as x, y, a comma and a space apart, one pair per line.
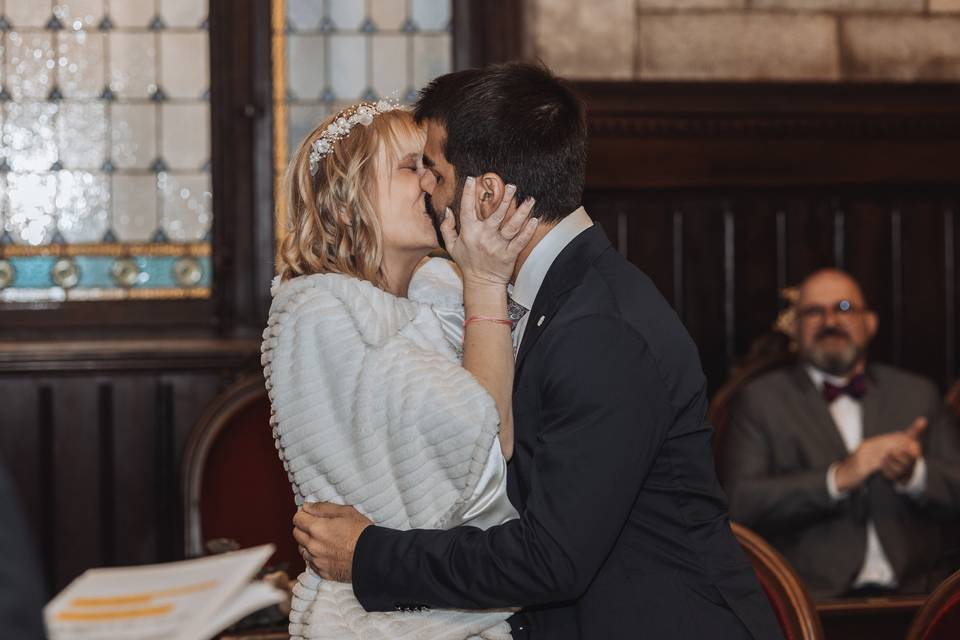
939, 619
953, 398
234, 484
789, 598
768, 352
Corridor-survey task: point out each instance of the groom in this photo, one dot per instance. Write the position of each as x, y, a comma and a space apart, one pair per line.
623, 528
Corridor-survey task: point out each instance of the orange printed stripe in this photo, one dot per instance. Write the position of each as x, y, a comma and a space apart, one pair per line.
142, 598
84, 616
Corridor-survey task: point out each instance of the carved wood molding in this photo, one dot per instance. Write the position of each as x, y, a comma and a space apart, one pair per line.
155, 355
682, 135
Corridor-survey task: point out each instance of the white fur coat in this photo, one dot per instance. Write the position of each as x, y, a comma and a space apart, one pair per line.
370, 407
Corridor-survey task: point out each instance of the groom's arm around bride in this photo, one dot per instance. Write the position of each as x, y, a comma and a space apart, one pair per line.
623, 528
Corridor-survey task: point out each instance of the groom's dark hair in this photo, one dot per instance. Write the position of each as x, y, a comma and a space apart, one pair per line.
517, 120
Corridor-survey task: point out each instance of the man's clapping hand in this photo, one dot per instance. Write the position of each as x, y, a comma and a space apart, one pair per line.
892, 454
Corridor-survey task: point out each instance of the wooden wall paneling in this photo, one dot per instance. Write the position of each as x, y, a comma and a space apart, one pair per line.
46, 539
76, 477
487, 32
20, 449
611, 218
650, 241
165, 471
106, 477
704, 286
810, 237
869, 259
137, 519
923, 310
952, 259
756, 267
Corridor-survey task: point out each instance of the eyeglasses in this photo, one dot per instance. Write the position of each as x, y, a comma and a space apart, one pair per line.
818, 312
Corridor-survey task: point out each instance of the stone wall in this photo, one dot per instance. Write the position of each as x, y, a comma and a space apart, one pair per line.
744, 40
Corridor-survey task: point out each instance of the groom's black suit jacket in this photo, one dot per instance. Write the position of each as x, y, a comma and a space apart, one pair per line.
623, 531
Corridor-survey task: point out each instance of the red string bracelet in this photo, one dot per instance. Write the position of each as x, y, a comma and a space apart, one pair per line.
505, 321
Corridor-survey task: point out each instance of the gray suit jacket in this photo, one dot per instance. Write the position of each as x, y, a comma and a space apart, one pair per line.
780, 442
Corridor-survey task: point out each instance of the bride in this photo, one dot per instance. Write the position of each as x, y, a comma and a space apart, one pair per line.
382, 395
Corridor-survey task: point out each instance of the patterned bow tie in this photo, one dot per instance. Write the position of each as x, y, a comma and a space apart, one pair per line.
856, 388
515, 311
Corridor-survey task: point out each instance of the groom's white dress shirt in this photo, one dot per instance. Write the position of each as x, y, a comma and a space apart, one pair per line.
538, 263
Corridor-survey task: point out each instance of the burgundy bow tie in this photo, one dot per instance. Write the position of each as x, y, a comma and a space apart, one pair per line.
856, 388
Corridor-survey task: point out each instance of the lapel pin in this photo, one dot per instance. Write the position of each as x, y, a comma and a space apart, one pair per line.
540, 321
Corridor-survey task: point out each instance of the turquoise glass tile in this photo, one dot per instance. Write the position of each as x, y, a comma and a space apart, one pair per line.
33, 272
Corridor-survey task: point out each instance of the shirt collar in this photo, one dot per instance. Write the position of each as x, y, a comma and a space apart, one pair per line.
535, 267
818, 377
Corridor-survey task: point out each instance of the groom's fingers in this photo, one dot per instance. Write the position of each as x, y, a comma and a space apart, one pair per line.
325, 509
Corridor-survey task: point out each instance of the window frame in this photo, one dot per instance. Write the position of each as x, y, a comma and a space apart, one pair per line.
242, 186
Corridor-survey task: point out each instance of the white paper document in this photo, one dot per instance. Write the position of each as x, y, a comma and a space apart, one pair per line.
188, 600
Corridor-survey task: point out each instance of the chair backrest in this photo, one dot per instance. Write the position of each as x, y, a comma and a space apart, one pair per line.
768, 352
953, 398
789, 598
939, 618
234, 484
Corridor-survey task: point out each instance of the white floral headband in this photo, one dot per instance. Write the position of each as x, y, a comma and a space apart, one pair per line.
339, 129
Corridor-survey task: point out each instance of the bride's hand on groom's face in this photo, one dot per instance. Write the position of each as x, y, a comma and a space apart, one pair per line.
487, 250
327, 534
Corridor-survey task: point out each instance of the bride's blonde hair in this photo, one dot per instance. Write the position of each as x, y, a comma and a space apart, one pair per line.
333, 225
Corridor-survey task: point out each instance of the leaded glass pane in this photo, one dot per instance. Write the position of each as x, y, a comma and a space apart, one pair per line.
105, 156
388, 15
337, 52
184, 69
30, 135
346, 15
186, 213
79, 14
135, 203
306, 54
132, 13
80, 64
82, 206
30, 64
186, 134
31, 217
428, 57
348, 66
82, 135
304, 15
183, 13
27, 13
133, 129
430, 15
133, 64
390, 69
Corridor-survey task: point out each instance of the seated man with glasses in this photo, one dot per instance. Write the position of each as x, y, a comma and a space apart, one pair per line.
851, 469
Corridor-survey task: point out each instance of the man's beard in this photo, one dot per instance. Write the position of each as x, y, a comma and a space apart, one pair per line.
836, 363
437, 216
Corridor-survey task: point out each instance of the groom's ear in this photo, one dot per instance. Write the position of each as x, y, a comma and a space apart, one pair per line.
490, 190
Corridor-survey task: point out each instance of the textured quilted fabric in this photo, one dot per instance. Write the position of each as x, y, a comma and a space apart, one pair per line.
370, 407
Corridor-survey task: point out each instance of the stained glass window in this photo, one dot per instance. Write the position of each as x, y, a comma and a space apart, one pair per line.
332, 53
105, 156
